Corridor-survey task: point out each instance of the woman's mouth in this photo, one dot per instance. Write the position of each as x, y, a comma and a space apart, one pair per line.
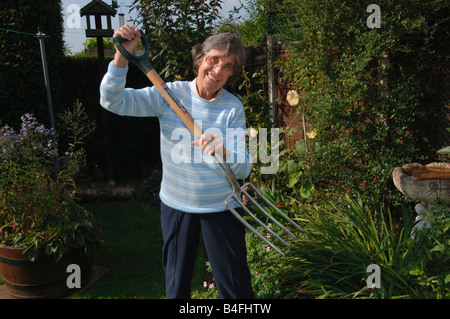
212, 77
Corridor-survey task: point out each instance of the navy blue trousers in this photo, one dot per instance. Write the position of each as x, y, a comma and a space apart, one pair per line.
224, 239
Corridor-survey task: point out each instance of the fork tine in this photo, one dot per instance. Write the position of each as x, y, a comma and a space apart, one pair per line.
263, 211
265, 200
243, 221
264, 225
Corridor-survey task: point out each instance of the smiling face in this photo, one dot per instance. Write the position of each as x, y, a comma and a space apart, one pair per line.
213, 73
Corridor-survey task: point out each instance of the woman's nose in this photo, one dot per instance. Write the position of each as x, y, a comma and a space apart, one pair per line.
218, 69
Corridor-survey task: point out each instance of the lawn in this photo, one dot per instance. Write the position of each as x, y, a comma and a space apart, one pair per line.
132, 253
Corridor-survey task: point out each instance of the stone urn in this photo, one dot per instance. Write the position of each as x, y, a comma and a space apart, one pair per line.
427, 184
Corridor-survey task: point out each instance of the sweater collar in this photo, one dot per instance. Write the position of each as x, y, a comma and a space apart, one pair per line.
193, 86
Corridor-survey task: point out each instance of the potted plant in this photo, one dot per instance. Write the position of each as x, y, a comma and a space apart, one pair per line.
42, 227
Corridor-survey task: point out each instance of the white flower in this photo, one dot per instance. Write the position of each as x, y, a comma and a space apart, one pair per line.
292, 98
311, 134
253, 132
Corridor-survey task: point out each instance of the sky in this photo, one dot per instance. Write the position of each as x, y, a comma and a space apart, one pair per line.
75, 26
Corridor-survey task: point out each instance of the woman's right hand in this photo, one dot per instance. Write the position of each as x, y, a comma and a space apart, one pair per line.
132, 35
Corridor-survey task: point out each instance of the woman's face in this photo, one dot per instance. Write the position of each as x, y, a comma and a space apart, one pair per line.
213, 73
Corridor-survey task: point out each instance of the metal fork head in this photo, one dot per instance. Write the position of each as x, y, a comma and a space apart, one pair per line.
237, 197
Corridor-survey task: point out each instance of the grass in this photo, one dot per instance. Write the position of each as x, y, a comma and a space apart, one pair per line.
132, 251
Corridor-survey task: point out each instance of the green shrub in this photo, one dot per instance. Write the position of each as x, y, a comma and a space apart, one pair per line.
330, 259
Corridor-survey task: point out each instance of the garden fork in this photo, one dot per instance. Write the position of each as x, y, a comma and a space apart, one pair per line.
238, 191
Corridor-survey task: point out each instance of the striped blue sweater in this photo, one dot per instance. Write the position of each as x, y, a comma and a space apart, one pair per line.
192, 181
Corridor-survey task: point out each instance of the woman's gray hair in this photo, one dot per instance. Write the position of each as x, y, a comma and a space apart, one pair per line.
229, 43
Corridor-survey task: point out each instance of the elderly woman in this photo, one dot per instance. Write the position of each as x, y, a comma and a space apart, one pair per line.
193, 188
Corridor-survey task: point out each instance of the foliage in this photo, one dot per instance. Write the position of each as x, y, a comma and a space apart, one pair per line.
173, 28
91, 43
342, 238
148, 191
255, 102
37, 208
445, 150
287, 186
108, 44
431, 255
76, 126
261, 21
21, 76
330, 260
371, 95
264, 264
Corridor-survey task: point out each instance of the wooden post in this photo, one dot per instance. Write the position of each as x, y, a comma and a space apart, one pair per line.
271, 78
98, 9
106, 118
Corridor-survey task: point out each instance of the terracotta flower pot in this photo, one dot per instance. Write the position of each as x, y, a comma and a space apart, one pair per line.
43, 278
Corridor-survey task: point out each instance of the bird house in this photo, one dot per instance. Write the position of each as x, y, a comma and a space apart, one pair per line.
98, 9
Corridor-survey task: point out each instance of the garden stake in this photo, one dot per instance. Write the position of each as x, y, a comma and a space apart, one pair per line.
238, 191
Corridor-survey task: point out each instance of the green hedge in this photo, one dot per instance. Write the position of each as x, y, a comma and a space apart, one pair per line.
135, 141
22, 88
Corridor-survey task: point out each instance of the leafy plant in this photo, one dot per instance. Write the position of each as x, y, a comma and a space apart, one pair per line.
91, 43
261, 21
38, 211
445, 150
330, 259
431, 255
265, 264
255, 102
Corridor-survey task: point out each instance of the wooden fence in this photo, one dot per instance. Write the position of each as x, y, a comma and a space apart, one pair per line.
263, 57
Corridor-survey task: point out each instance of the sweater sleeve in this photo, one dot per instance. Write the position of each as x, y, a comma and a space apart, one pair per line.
125, 101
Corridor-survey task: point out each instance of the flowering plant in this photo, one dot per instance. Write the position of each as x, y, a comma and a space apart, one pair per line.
37, 209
